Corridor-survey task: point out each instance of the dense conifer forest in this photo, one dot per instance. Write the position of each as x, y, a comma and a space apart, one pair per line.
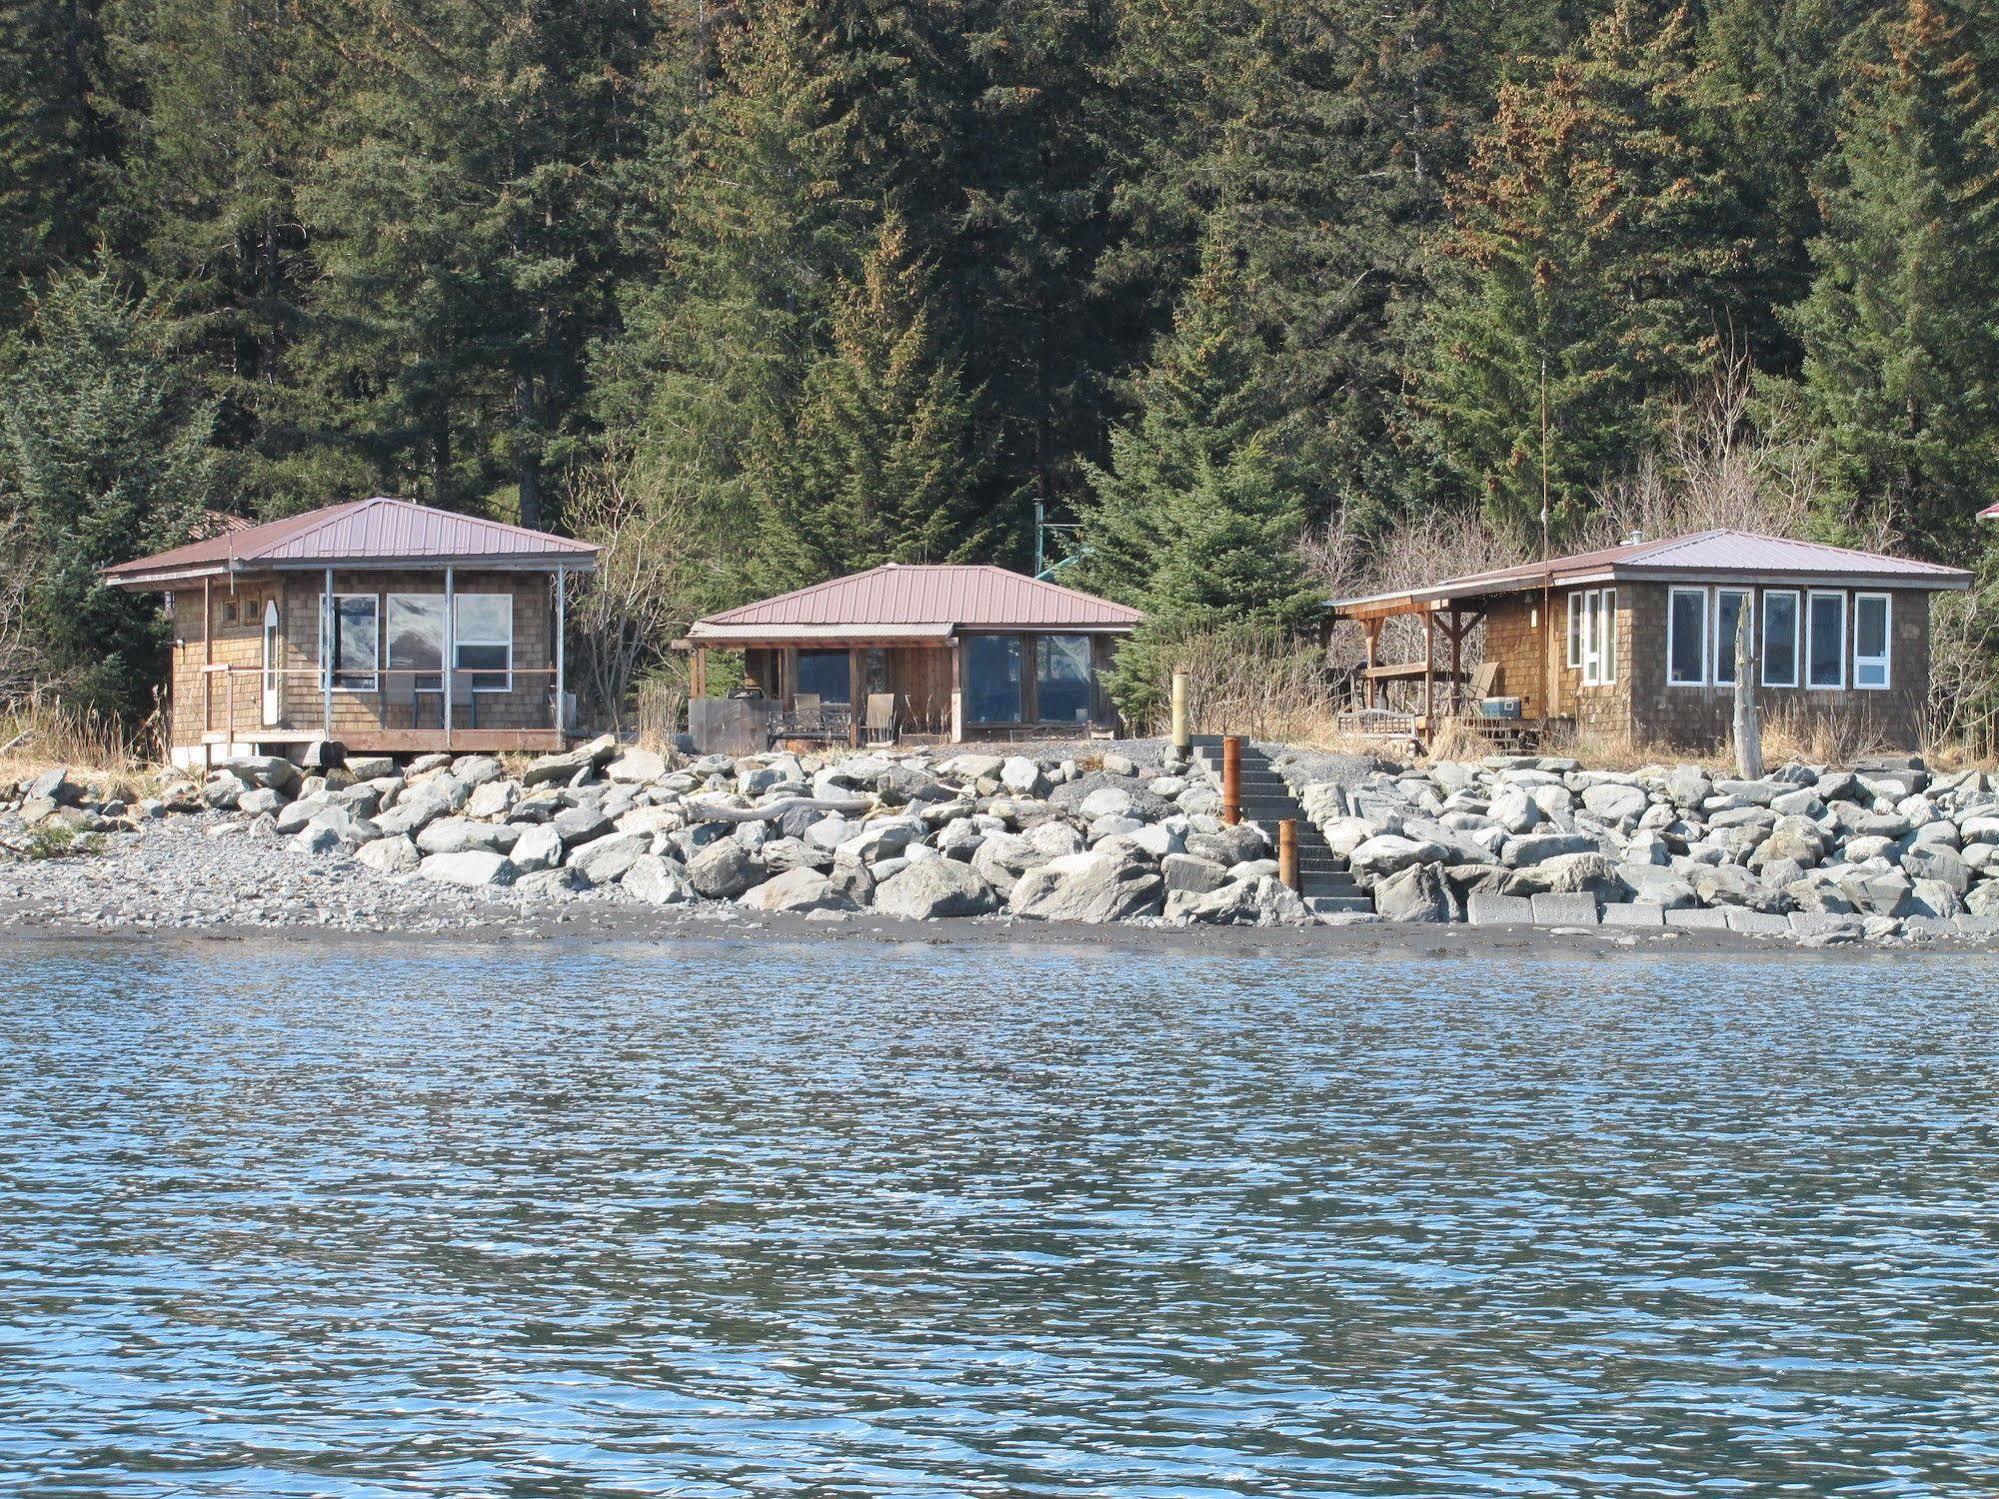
782, 288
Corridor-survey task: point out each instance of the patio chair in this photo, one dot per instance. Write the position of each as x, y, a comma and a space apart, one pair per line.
880, 725
464, 701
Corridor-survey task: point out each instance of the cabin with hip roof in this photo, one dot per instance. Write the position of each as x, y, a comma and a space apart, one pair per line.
1640, 640
381, 625
911, 653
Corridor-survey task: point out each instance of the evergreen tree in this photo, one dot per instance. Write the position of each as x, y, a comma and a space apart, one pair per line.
1589, 271
104, 456
1901, 330
884, 461
1196, 517
57, 140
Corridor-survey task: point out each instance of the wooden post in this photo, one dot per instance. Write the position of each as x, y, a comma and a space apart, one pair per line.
450, 646
1183, 733
697, 683
1457, 630
856, 695
207, 654
1372, 628
326, 653
1287, 852
561, 620
1748, 723
1429, 675
229, 707
1232, 780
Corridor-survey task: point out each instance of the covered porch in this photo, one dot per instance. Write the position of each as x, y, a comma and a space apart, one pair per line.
1420, 698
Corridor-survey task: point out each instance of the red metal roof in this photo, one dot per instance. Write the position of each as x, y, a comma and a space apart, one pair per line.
936, 597
361, 533
1990, 512
1719, 553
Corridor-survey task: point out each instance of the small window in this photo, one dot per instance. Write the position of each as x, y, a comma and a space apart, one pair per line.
1593, 624
992, 679
485, 645
1780, 639
1872, 640
1686, 637
1731, 606
1062, 678
826, 675
416, 641
1578, 604
1825, 640
357, 641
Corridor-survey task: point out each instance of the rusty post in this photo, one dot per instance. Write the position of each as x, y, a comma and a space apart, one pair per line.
1232, 780
1287, 852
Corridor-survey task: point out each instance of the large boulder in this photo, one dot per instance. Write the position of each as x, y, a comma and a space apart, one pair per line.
657, 882
794, 890
272, 771
1534, 848
1416, 893
580, 825
1092, 887
451, 835
396, 855
565, 767
933, 888
1732, 885
1388, 854
1616, 801
1023, 777
474, 868
1002, 858
537, 848
724, 870
635, 767
1260, 901
422, 804
493, 798
603, 861
1578, 874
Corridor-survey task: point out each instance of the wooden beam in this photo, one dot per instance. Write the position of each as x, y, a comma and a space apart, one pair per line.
561, 620
856, 696
957, 693
1430, 674
1457, 634
450, 646
1373, 629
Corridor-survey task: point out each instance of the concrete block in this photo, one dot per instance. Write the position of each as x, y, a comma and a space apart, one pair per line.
1699, 919
1817, 923
1564, 910
1756, 923
1619, 914
1499, 910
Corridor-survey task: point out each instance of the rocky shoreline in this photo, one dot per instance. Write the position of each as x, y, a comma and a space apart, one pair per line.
946, 840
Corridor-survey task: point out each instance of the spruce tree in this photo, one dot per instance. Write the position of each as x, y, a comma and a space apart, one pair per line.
1196, 517
1589, 272
883, 460
104, 456
1901, 330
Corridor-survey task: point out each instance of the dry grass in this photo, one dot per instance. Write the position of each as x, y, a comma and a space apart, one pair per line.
1264, 686
38, 734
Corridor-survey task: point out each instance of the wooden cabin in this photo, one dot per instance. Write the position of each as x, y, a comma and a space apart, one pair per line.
913, 652
1640, 640
381, 625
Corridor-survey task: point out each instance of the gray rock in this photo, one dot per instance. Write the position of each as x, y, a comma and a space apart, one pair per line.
1262, 901
492, 799
1533, 848
1090, 887
1022, 776
564, 767
1688, 786
657, 882
1387, 854
636, 767
579, 825
724, 870
1416, 893
397, 855
1616, 802
1229, 846
1192, 873
935, 888
474, 869
1732, 885
1593, 875
260, 799
475, 770
316, 838
370, 767
451, 835
1105, 801
794, 890
537, 848
549, 883
603, 861
1936, 862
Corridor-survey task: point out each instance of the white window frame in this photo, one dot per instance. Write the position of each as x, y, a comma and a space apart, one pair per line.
1811, 628
1606, 643
1797, 637
1886, 660
1745, 618
373, 682
458, 641
1578, 602
1673, 636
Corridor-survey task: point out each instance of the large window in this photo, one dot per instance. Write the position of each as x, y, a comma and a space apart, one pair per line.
1871, 640
1780, 639
357, 641
992, 679
826, 675
416, 642
1593, 635
1731, 608
1686, 637
1062, 678
485, 635
1825, 640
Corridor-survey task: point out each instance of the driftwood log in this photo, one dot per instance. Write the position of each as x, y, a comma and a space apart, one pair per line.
1748, 722
711, 812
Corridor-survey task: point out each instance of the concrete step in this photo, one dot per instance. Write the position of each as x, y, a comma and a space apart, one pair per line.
1339, 905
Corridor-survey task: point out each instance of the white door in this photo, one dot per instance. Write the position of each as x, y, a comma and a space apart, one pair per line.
274, 656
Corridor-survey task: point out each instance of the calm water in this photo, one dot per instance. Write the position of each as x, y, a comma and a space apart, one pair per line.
716, 1219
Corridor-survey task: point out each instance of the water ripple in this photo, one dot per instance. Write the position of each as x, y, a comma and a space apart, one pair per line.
726, 1219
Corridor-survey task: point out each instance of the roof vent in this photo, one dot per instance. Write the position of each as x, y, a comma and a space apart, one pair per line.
1634, 538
